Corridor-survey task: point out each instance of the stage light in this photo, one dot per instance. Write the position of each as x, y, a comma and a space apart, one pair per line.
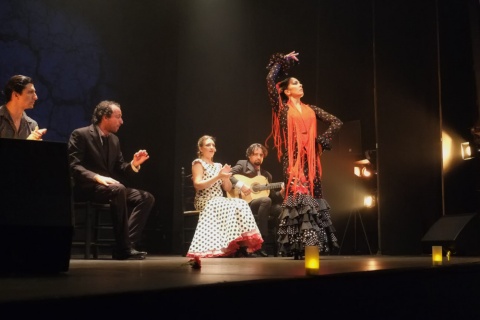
357, 171
466, 151
363, 169
369, 201
312, 260
364, 189
366, 172
470, 150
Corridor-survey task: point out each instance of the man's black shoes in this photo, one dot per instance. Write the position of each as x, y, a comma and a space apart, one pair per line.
131, 254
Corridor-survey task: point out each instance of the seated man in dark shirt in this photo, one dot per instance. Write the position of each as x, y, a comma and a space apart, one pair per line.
265, 204
20, 95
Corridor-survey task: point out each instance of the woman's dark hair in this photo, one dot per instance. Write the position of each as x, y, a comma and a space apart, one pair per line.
104, 108
16, 84
282, 86
251, 149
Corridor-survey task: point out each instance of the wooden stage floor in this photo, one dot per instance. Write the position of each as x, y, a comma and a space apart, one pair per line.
364, 285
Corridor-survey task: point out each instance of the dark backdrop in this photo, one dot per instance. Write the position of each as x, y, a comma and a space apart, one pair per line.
181, 69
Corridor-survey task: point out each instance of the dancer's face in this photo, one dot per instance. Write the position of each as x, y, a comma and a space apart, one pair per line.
294, 89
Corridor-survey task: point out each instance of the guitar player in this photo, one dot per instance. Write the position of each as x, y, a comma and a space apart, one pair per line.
266, 206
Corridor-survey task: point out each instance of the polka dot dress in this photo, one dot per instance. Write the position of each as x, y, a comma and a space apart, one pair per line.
223, 222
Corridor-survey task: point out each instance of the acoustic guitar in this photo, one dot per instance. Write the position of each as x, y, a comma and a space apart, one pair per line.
259, 185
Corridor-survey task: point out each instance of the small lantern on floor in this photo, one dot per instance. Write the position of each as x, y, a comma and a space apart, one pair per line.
437, 255
312, 260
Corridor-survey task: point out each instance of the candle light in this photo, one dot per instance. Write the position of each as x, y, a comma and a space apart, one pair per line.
312, 260
437, 255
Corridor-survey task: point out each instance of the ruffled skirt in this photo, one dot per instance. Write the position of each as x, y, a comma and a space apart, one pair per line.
223, 226
305, 221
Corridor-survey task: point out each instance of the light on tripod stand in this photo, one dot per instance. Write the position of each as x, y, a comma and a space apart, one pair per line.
364, 171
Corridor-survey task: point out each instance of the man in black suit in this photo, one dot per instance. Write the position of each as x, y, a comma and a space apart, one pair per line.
261, 206
99, 173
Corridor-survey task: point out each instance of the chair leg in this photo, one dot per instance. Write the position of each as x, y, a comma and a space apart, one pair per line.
88, 230
275, 243
95, 233
100, 226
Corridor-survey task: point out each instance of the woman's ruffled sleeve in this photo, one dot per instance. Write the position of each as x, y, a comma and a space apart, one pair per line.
285, 64
334, 125
277, 68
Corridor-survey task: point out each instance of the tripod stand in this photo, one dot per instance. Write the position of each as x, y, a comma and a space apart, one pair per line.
356, 214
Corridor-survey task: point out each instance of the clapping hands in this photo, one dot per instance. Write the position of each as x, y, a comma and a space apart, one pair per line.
225, 172
37, 134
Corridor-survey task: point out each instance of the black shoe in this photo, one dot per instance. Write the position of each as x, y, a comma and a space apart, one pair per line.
131, 254
243, 253
261, 253
239, 253
298, 254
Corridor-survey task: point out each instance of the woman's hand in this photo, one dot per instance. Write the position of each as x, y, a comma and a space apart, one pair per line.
292, 55
319, 149
225, 172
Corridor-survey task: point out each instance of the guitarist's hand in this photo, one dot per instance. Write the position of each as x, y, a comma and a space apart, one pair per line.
282, 191
246, 190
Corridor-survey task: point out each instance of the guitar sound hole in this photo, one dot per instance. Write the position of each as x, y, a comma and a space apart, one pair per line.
255, 188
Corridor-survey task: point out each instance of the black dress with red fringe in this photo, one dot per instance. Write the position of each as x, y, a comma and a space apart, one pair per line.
305, 217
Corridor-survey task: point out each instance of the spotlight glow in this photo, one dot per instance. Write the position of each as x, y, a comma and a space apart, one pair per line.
366, 172
369, 201
356, 171
446, 149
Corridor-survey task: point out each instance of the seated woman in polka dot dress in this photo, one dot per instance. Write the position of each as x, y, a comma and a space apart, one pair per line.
225, 225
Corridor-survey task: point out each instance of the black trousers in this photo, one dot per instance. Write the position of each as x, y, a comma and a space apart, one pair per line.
261, 210
130, 211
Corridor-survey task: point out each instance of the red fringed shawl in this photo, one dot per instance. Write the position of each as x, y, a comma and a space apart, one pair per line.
300, 136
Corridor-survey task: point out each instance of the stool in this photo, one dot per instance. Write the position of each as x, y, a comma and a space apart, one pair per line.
189, 214
96, 217
190, 220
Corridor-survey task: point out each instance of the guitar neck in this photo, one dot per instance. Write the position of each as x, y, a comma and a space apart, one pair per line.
270, 186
